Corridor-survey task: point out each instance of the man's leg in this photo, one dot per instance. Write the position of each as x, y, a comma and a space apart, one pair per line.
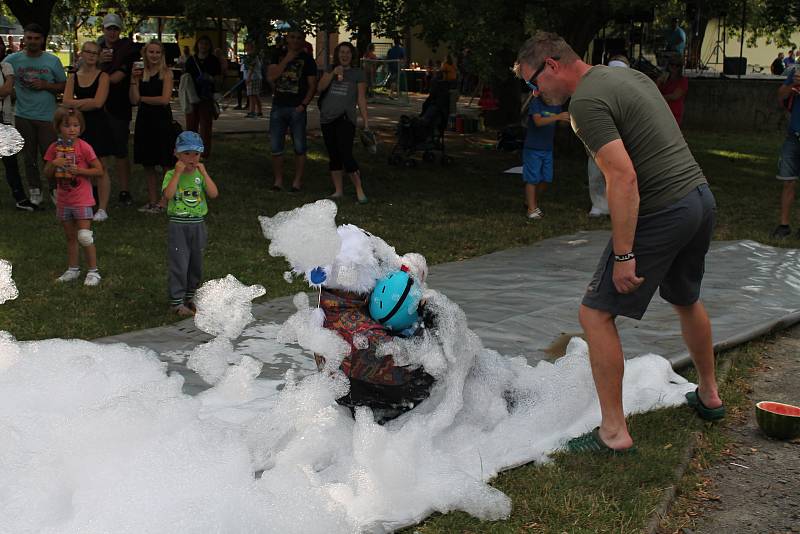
608, 367
29, 152
278, 124
787, 200
45, 136
298, 127
696, 330
13, 178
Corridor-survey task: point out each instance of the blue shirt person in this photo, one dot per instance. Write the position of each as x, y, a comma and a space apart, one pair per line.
537, 153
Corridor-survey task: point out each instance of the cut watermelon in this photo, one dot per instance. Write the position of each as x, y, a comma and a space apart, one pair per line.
778, 420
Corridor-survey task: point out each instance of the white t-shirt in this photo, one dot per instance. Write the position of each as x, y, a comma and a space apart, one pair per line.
6, 106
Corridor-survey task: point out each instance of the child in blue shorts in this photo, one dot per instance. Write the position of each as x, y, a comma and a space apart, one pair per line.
537, 153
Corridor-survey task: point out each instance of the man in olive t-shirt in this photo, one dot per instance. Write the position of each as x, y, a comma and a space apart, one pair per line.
662, 217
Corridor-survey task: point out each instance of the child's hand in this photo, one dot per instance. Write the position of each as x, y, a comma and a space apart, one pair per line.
60, 162
563, 116
71, 169
179, 168
202, 168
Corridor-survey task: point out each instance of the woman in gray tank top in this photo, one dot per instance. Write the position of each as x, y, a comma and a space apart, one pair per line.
340, 89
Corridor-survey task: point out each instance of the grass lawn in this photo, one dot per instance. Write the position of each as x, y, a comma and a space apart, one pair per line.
445, 213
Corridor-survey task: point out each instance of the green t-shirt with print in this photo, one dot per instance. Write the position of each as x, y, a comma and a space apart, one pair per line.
188, 204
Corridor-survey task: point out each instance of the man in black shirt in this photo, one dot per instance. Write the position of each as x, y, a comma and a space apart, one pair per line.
293, 76
777, 66
116, 59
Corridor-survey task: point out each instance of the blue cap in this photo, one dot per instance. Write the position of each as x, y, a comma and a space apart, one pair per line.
189, 141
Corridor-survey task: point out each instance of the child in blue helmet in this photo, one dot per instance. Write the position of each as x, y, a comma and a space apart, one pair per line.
187, 187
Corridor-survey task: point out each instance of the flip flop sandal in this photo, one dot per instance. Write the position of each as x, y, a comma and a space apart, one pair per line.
706, 413
591, 442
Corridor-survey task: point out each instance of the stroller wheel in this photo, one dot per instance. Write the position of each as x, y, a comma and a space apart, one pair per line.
410, 163
428, 156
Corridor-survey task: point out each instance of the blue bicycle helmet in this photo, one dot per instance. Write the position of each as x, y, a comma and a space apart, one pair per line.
395, 300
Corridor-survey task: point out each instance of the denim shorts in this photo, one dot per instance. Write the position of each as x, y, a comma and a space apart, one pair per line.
283, 118
537, 166
789, 164
73, 213
670, 247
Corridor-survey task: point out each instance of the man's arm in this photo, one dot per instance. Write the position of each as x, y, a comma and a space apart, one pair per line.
623, 204
274, 71
786, 88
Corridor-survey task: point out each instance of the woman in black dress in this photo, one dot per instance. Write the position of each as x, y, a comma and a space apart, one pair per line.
153, 137
87, 90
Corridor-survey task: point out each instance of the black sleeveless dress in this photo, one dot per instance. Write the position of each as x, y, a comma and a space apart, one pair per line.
153, 137
98, 131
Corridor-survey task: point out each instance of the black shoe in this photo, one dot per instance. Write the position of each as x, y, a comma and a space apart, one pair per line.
781, 232
125, 198
295, 189
27, 205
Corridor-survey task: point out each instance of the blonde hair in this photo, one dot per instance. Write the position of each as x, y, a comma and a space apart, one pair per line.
63, 113
93, 43
162, 65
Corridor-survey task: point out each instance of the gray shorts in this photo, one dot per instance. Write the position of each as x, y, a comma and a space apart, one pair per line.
789, 164
670, 247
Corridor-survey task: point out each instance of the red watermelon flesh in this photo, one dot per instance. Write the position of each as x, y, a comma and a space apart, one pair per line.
780, 408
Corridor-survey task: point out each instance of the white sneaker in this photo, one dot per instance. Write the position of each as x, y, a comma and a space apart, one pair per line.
35, 196
70, 275
536, 214
92, 279
597, 212
100, 216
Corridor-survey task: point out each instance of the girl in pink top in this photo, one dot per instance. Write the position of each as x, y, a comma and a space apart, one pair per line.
71, 161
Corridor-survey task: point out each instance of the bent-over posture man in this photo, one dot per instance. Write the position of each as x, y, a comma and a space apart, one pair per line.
662, 219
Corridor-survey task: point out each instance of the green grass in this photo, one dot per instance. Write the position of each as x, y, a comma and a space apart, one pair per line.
446, 213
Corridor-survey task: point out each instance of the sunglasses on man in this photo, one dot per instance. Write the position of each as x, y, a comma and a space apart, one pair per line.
531, 82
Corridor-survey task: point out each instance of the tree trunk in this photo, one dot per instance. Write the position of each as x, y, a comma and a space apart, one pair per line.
37, 12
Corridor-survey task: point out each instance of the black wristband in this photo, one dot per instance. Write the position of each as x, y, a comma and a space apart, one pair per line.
624, 257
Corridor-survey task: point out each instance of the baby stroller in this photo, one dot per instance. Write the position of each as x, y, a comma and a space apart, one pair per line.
424, 133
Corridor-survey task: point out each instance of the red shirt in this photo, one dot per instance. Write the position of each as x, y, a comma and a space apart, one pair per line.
669, 87
75, 191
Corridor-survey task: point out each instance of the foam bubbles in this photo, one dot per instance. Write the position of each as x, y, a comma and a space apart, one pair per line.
8, 289
224, 306
11, 140
306, 236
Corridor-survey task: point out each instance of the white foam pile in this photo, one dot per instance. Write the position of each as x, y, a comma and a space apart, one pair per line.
100, 438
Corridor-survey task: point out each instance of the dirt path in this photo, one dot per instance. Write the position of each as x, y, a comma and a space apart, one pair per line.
758, 482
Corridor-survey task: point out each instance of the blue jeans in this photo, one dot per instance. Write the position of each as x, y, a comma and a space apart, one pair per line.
283, 118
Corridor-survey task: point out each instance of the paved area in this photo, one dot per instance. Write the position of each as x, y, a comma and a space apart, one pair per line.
384, 113
756, 487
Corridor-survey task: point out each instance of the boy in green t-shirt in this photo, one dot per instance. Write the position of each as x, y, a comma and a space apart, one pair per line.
187, 187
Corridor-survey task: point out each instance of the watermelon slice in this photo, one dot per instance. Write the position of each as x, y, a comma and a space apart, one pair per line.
778, 420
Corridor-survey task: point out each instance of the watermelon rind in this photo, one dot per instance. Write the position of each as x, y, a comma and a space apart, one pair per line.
775, 424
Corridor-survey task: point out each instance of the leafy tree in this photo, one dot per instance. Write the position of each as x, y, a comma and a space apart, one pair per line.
36, 11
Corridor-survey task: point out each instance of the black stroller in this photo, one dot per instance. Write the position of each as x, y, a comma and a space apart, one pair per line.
424, 133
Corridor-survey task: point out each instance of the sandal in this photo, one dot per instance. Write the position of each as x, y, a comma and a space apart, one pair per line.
591, 442
705, 413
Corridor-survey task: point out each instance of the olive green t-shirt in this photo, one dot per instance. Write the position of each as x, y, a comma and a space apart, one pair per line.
612, 103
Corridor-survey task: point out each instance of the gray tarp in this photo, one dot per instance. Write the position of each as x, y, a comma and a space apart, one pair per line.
521, 301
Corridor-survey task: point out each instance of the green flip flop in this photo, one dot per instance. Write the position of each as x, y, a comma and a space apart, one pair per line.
592, 443
706, 413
